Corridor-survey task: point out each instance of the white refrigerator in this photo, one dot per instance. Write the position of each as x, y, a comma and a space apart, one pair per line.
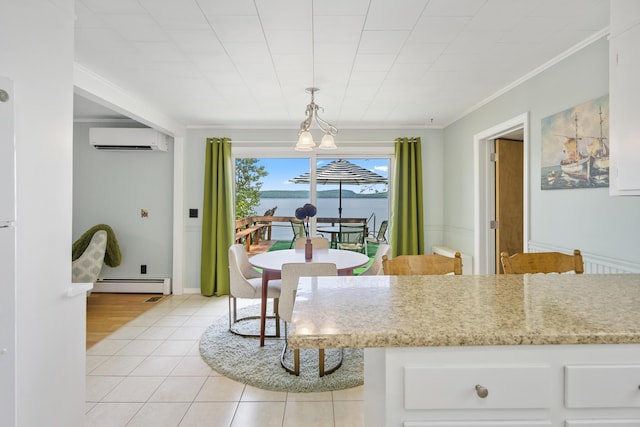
7, 255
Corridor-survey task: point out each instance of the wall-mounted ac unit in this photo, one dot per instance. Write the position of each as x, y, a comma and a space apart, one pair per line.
127, 139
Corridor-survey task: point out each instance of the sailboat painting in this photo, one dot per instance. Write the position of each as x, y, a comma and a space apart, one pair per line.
575, 147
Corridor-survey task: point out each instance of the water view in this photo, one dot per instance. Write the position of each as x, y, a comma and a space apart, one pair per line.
327, 207
361, 197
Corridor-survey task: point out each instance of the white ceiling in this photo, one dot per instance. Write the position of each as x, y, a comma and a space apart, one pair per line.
378, 63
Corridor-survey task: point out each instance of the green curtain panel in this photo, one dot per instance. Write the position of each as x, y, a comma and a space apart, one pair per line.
407, 227
217, 218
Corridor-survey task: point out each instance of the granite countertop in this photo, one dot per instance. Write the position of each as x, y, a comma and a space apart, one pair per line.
426, 311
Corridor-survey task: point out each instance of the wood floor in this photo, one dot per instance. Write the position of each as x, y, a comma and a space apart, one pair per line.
107, 312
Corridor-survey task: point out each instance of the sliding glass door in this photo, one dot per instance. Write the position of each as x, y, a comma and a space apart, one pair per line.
358, 185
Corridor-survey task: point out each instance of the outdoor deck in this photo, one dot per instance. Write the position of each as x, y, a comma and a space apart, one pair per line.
255, 231
261, 247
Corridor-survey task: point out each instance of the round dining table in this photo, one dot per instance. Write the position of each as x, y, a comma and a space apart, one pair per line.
271, 265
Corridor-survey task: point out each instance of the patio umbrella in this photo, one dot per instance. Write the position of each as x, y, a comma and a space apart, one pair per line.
341, 171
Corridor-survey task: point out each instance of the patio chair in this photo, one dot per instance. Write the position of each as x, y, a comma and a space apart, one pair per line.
352, 239
298, 231
380, 236
542, 262
419, 265
291, 273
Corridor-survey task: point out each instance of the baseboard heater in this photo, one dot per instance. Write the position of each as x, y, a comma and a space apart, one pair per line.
133, 286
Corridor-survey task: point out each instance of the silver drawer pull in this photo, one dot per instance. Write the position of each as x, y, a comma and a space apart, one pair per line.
481, 391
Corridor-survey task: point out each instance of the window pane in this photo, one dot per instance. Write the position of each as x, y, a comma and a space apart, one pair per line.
358, 200
278, 191
362, 200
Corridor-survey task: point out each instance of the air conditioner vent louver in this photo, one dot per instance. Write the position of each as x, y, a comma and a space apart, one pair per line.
127, 139
123, 147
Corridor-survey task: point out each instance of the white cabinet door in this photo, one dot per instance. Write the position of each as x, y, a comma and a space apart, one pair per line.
7, 326
624, 174
624, 15
603, 423
7, 152
477, 424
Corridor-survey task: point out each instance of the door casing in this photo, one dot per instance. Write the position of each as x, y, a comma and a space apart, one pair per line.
484, 189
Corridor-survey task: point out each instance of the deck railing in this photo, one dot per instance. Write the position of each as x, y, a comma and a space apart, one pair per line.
254, 228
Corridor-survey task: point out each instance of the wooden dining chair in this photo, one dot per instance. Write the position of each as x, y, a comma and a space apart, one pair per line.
419, 265
542, 262
291, 273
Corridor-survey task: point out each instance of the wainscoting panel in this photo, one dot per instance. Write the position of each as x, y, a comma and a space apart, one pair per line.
593, 264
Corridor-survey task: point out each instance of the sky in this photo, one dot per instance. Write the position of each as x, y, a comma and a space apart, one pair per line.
282, 170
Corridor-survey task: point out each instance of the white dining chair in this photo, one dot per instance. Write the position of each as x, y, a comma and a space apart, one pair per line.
246, 282
376, 266
317, 242
291, 273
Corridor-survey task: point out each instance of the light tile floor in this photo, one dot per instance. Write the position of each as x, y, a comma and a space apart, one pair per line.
150, 373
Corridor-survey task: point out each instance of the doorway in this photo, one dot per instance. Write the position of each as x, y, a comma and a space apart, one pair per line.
486, 241
509, 177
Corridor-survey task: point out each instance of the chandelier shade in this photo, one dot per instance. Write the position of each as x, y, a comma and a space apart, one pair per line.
327, 143
305, 139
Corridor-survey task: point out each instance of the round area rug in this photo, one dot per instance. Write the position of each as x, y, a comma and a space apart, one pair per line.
243, 360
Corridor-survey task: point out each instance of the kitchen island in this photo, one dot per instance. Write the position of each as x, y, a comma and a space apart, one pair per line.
504, 350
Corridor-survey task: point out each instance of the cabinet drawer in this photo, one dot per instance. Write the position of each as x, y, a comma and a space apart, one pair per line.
602, 386
462, 387
477, 424
602, 423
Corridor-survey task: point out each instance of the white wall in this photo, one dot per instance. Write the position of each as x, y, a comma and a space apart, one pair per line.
285, 138
36, 41
112, 187
588, 219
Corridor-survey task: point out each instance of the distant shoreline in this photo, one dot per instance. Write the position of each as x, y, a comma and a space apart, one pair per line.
324, 194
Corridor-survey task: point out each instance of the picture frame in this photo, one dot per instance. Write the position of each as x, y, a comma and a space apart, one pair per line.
575, 147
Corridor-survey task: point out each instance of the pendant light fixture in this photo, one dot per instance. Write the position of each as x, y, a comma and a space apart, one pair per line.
305, 139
